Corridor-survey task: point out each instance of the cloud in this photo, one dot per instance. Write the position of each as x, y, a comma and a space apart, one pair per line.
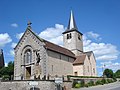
15, 25
86, 41
111, 65
93, 35
13, 45
4, 39
6, 64
53, 34
18, 36
102, 51
12, 52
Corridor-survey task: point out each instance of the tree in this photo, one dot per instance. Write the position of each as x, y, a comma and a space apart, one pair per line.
4, 71
108, 73
11, 68
7, 71
117, 73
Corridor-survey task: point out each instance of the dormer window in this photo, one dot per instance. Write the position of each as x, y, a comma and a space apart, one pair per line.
69, 36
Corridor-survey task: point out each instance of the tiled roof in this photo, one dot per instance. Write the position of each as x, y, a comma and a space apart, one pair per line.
79, 60
58, 49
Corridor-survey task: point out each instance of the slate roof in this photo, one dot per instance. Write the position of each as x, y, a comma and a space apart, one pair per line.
79, 59
72, 25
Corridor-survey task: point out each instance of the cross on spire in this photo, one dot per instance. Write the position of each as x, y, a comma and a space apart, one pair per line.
29, 23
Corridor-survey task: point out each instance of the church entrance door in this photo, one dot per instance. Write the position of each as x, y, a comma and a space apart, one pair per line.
28, 72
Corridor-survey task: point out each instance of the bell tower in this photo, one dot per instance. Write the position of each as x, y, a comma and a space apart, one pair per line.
72, 38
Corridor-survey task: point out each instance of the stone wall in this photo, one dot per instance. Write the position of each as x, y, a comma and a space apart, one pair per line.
78, 69
93, 65
26, 85
59, 65
87, 67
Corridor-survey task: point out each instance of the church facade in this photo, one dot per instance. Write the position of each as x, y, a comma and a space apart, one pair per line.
36, 58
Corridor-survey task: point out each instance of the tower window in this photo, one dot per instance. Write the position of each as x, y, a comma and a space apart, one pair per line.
79, 36
69, 36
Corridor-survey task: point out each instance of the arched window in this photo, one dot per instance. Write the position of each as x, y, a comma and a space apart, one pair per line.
69, 36
79, 37
28, 56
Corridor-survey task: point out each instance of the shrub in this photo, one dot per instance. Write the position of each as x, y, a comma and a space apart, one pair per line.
109, 80
103, 81
86, 85
114, 79
98, 82
6, 77
74, 83
82, 84
91, 83
77, 85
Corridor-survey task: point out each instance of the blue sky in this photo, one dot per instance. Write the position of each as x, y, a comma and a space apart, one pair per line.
98, 20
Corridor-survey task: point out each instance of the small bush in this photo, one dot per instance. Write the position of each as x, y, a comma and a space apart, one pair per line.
86, 85
82, 84
103, 81
91, 83
6, 77
77, 85
74, 83
109, 80
114, 79
98, 82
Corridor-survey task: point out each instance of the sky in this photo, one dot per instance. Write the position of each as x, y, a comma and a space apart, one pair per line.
98, 20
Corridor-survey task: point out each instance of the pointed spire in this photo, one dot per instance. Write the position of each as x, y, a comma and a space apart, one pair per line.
71, 24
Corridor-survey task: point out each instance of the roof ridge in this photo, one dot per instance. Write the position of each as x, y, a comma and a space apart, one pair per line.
50, 45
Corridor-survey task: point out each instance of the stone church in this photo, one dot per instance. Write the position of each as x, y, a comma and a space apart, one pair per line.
36, 58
